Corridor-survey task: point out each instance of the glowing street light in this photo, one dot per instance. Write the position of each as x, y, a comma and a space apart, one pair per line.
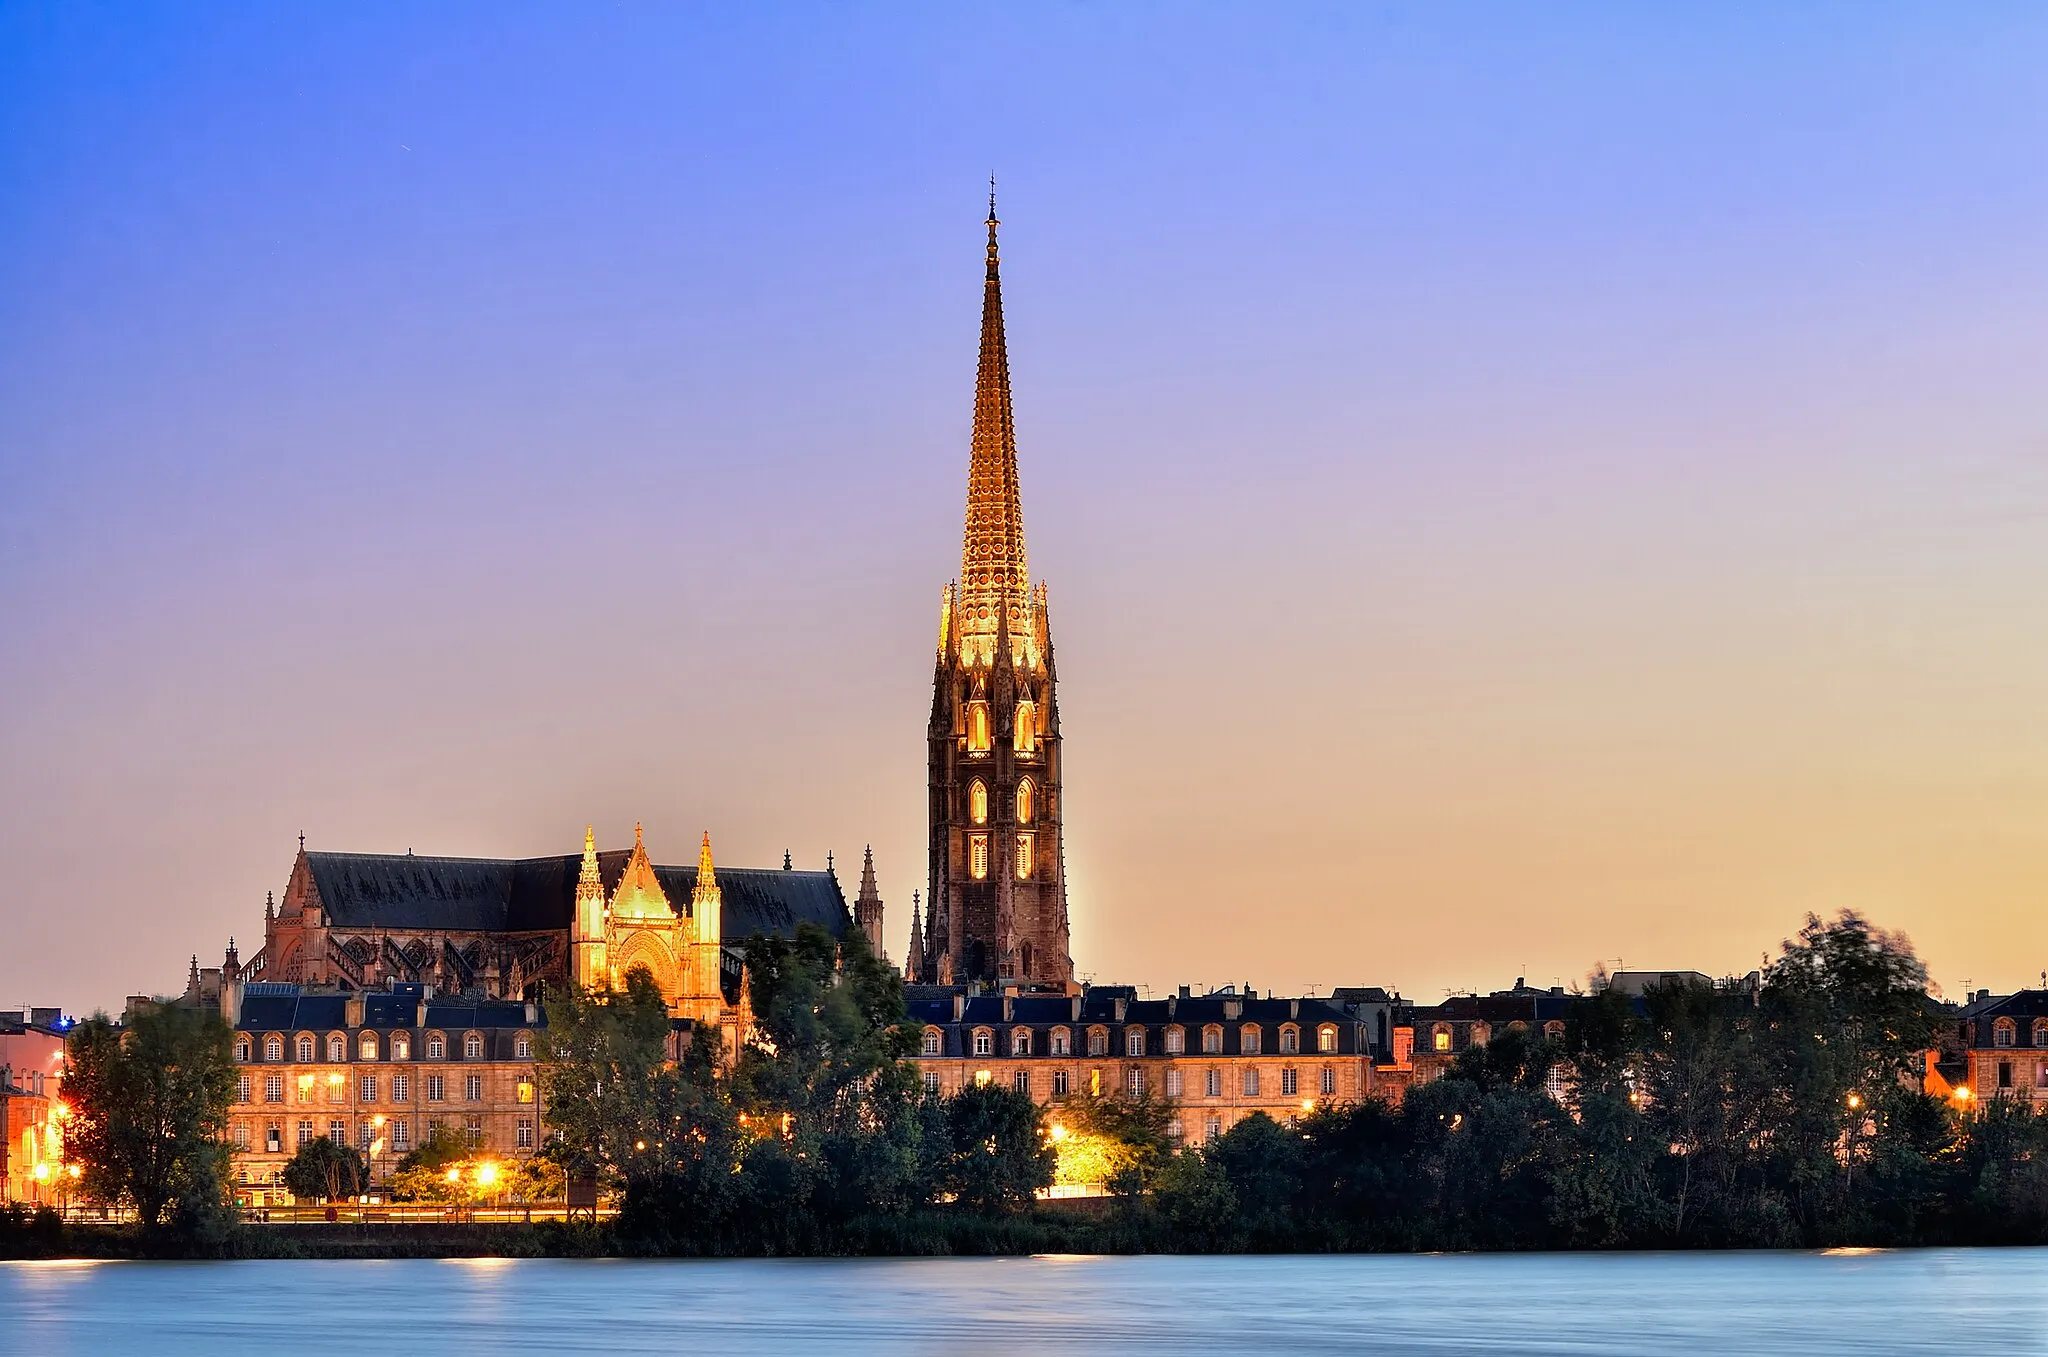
1855, 1101
1059, 1132
486, 1173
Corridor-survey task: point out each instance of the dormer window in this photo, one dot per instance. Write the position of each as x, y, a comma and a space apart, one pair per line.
1212, 1041
1020, 1041
305, 1044
1290, 1041
1062, 1043
932, 1040
437, 1046
401, 1046
2001, 1032
1134, 1041
1098, 1041
1440, 1037
1326, 1039
273, 1048
366, 1046
337, 1049
984, 1041
1176, 1041
473, 1046
2041, 1034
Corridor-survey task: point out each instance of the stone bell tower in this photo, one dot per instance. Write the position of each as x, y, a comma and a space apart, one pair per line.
997, 899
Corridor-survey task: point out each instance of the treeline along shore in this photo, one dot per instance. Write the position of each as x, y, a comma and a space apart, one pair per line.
1786, 1114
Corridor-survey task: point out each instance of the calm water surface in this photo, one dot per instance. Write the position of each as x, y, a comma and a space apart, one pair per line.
1949, 1302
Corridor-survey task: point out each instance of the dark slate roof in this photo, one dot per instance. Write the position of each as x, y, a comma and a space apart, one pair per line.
285, 1008
495, 895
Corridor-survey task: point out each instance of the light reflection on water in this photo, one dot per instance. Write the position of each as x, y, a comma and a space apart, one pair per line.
1861, 1302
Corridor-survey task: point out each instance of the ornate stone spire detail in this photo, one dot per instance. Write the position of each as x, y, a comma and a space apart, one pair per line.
993, 568
913, 963
867, 906
639, 894
706, 890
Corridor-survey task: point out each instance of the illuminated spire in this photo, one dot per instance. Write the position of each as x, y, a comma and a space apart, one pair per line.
707, 876
993, 569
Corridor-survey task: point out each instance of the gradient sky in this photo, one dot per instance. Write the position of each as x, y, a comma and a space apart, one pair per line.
1519, 485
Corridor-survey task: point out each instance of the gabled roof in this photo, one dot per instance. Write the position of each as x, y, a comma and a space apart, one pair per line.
497, 895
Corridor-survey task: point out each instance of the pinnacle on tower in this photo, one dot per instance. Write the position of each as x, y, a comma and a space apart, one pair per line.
707, 875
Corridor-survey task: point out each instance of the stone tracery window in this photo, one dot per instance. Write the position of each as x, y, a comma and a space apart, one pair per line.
1026, 739
977, 856
1023, 857
977, 801
977, 728
1026, 810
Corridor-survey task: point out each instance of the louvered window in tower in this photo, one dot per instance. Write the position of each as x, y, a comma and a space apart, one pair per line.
1023, 857
977, 728
977, 801
1025, 809
977, 856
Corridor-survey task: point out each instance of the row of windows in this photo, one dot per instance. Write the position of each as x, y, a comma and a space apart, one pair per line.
395, 1132
1136, 1085
2005, 1075
977, 856
306, 1047
2004, 1032
1440, 1034
1025, 728
367, 1086
1026, 803
1173, 1041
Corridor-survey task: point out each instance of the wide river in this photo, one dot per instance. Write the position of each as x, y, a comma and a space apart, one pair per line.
1974, 1301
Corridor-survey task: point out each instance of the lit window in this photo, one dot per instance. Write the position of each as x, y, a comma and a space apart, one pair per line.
525, 1090
977, 856
1441, 1037
1020, 1041
366, 1047
977, 727
1023, 857
1027, 728
1248, 1039
1326, 1039
977, 801
1025, 809
1095, 1083
1134, 1042
473, 1046
1173, 1083
1021, 1082
984, 1043
401, 1047
337, 1049
931, 1042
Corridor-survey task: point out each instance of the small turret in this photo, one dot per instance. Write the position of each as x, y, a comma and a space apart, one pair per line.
867, 906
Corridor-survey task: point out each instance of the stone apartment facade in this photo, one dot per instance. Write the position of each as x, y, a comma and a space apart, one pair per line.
377, 1069
32, 1168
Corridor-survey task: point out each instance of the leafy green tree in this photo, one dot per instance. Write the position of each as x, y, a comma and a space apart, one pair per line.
1000, 1155
1262, 1162
149, 1104
1122, 1137
325, 1168
1193, 1197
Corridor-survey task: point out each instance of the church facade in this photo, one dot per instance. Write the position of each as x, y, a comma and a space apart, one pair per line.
995, 911
510, 929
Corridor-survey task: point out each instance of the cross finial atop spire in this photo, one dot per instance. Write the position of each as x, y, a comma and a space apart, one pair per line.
302, 841
991, 195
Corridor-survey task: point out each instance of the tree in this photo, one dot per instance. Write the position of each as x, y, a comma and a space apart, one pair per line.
606, 1079
1115, 1139
1000, 1154
325, 1168
149, 1104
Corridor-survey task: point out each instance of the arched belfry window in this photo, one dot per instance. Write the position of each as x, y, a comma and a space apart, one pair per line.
1027, 727
1026, 809
977, 728
977, 801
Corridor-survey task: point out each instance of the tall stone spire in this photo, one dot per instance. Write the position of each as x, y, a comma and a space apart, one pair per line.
993, 569
587, 942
